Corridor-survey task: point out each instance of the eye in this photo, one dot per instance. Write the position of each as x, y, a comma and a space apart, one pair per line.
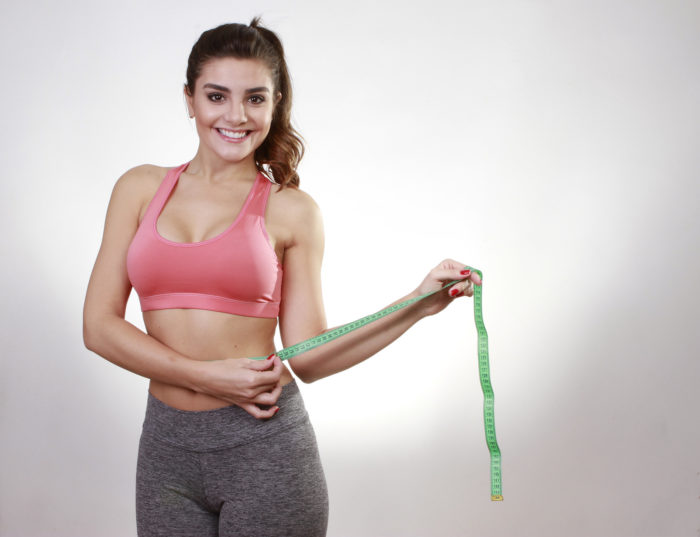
257, 99
215, 97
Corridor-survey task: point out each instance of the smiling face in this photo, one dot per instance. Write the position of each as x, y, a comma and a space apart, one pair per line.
233, 103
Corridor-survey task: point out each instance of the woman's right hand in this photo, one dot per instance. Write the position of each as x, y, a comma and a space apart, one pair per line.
244, 382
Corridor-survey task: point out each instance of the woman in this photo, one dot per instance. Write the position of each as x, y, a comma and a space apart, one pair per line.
217, 255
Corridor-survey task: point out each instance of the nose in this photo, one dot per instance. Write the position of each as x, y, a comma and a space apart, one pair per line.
236, 112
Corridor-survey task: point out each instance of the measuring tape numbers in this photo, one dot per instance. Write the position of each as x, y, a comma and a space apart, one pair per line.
484, 370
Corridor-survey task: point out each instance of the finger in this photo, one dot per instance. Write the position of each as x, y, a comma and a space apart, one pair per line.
447, 275
269, 398
466, 274
258, 412
465, 288
268, 379
261, 365
451, 264
469, 288
271, 364
475, 278
458, 272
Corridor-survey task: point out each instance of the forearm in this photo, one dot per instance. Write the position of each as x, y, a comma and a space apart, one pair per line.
356, 346
123, 344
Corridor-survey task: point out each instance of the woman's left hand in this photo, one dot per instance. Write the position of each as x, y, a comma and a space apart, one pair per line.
447, 271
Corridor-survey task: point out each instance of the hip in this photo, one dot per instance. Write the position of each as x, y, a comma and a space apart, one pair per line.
223, 427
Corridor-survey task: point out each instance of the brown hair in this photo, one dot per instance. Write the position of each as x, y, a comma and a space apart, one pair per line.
283, 147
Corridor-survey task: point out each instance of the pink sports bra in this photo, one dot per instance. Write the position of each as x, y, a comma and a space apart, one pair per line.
235, 272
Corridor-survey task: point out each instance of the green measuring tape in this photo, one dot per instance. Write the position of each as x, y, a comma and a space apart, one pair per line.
484, 372
485, 378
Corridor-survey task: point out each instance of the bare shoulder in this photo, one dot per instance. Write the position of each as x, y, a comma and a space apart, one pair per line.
140, 178
294, 205
137, 186
294, 216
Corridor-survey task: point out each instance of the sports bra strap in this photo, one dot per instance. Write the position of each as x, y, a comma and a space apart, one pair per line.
258, 201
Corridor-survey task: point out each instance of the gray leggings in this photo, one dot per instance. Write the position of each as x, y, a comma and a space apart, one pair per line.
225, 473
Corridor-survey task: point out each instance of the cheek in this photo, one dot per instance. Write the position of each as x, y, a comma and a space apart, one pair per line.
205, 119
204, 109
266, 118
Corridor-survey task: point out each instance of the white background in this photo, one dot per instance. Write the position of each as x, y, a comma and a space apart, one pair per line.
554, 145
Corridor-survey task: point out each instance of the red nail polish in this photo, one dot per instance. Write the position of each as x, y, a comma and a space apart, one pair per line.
276, 411
454, 292
465, 272
270, 357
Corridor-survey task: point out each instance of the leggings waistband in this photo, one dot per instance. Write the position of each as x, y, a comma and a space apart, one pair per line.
231, 426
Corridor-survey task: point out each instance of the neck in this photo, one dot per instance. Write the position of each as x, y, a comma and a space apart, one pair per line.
213, 169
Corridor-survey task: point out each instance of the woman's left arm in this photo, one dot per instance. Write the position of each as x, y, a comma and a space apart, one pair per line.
302, 314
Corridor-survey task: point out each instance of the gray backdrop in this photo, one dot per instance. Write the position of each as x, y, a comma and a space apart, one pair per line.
554, 145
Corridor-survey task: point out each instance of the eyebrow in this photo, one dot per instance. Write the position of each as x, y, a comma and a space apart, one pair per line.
226, 90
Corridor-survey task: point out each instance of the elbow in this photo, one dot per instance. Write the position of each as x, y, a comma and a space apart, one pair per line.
307, 379
88, 335
305, 374
98, 325
93, 330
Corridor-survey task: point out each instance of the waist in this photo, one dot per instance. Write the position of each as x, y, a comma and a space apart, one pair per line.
189, 401
223, 427
207, 335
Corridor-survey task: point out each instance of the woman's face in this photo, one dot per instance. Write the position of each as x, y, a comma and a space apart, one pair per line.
232, 105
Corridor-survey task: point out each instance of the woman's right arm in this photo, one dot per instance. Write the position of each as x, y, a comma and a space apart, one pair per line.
106, 332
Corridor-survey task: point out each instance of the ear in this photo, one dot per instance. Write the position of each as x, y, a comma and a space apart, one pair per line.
278, 97
189, 99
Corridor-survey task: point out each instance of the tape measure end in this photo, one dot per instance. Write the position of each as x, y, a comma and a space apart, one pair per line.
496, 498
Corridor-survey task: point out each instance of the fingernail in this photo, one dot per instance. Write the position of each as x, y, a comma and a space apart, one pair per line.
454, 292
270, 357
465, 272
276, 411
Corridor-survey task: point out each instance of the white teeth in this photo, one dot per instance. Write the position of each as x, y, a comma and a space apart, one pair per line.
232, 134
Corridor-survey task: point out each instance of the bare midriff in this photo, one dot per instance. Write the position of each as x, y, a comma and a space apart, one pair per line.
208, 335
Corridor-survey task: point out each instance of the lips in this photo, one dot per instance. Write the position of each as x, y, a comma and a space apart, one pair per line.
233, 136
